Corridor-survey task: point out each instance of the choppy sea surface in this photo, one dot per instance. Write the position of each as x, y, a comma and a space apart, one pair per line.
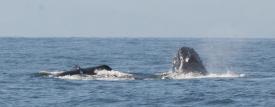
242, 72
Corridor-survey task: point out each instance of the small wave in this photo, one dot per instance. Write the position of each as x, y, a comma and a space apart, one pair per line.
174, 75
101, 75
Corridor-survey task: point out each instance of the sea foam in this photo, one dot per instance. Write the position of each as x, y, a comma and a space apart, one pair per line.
117, 75
101, 75
175, 75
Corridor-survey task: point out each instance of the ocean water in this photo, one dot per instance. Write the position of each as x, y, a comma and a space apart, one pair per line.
242, 72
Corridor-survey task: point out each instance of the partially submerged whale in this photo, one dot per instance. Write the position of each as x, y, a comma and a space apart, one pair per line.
188, 61
86, 71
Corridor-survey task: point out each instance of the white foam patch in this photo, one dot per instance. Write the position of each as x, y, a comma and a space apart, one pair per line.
50, 73
176, 75
101, 75
117, 75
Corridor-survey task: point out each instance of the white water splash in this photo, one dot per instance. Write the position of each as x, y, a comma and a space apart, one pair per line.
101, 75
117, 75
175, 75
50, 73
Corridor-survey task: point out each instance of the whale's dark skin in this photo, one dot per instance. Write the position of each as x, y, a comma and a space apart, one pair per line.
86, 71
188, 61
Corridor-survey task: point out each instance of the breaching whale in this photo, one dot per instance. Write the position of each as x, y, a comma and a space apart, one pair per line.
188, 61
87, 71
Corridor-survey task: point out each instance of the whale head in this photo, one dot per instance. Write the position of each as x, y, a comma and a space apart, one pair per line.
187, 60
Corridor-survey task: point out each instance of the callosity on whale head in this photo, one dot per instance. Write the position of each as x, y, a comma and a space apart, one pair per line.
188, 61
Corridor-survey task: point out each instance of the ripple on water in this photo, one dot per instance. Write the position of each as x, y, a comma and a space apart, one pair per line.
188, 100
226, 101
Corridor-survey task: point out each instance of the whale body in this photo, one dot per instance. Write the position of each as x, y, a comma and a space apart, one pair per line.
186, 61
86, 71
